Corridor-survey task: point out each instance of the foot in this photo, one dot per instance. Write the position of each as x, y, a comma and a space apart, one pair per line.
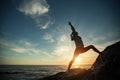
67, 71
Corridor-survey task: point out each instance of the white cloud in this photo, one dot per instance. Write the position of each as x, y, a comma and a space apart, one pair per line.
26, 48
19, 49
38, 11
109, 36
46, 25
64, 48
34, 7
27, 43
104, 45
48, 37
30, 51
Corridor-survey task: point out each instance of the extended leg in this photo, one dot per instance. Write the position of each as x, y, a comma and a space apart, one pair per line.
76, 53
91, 47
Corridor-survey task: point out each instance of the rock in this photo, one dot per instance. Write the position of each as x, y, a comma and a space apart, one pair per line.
106, 67
73, 74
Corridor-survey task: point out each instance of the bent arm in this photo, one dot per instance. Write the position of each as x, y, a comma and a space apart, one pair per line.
72, 37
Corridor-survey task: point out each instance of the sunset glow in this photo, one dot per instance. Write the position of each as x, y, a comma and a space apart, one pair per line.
78, 61
36, 32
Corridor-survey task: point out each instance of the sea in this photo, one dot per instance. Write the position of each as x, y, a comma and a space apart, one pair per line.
32, 72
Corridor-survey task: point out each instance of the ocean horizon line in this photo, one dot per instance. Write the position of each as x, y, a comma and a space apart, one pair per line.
39, 64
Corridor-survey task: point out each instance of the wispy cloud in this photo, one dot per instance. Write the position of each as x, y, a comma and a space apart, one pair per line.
92, 38
25, 48
64, 48
27, 43
104, 45
38, 11
48, 38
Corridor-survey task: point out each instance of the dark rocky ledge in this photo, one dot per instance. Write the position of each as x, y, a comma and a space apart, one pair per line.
106, 67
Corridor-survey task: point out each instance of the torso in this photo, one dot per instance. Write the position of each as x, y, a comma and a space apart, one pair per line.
78, 41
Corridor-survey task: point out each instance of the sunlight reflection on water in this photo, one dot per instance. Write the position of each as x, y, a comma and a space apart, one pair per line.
83, 66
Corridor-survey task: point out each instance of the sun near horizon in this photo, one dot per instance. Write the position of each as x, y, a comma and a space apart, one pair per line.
36, 32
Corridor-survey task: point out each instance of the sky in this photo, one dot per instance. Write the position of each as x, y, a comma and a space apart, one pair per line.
36, 32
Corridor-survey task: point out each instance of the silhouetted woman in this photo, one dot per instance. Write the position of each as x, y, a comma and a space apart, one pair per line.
79, 45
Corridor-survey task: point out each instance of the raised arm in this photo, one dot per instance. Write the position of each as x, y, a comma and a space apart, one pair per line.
72, 28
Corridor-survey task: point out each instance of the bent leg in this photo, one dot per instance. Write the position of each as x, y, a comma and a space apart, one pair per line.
91, 47
76, 53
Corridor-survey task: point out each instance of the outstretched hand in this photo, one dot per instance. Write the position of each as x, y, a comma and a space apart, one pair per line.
69, 23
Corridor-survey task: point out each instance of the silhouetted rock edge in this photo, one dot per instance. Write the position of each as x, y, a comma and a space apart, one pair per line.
106, 67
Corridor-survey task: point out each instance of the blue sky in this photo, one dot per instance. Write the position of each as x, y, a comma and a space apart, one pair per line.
37, 31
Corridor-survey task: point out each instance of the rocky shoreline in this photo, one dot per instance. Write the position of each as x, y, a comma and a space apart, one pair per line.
106, 67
